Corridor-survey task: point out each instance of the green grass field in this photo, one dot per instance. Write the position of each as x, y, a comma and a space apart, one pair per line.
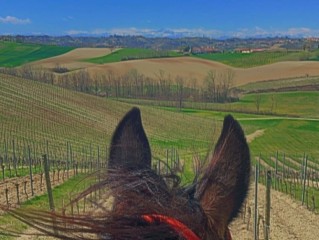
132, 54
16, 54
281, 85
246, 60
290, 136
297, 103
291, 127
302, 104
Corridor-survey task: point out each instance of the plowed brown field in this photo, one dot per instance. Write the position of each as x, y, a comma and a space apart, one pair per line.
73, 59
187, 67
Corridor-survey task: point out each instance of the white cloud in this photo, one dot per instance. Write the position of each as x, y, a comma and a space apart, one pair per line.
14, 20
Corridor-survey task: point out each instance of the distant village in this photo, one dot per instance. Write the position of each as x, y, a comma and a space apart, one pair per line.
268, 45
207, 49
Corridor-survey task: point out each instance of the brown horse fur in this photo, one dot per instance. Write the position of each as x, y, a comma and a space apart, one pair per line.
206, 207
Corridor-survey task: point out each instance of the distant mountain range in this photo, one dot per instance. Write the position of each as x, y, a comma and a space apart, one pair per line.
168, 43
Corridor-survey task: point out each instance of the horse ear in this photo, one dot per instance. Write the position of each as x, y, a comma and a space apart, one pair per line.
224, 186
129, 145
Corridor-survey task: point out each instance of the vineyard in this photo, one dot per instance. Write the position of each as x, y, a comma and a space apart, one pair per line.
65, 124
73, 131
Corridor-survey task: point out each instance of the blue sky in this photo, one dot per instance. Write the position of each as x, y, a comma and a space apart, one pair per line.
211, 18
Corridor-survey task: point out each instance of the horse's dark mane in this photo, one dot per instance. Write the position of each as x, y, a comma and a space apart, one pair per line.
122, 223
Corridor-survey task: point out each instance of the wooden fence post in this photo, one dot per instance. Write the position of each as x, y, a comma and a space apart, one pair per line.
30, 170
166, 161
7, 196
67, 159
304, 175
256, 204
3, 176
48, 181
18, 196
49, 188
267, 210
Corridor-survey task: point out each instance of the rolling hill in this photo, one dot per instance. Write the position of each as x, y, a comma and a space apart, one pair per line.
257, 66
15, 54
186, 67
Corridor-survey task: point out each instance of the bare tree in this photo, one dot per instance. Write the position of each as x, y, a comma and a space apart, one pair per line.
109, 85
226, 84
210, 86
273, 103
180, 91
257, 101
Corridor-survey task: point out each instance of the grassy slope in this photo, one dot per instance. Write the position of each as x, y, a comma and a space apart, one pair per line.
284, 134
134, 53
300, 104
290, 136
280, 84
246, 60
294, 104
241, 60
15, 54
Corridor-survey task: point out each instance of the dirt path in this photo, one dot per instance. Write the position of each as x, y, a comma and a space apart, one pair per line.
289, 220
254, 135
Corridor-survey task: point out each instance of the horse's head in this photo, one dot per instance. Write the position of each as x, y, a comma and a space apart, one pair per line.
144, 206
202, 210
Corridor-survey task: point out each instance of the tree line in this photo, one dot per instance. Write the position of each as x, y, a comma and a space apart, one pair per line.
215, 87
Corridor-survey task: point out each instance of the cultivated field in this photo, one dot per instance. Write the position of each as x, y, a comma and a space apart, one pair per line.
74, 59
190, 67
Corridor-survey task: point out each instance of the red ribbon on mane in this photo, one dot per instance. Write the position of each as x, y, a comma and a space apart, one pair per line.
179, 227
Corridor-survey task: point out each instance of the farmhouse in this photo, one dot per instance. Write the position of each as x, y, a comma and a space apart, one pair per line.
203, 49
249, 50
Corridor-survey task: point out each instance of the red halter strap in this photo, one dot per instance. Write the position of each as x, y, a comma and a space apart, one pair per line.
179, 227
228, 235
